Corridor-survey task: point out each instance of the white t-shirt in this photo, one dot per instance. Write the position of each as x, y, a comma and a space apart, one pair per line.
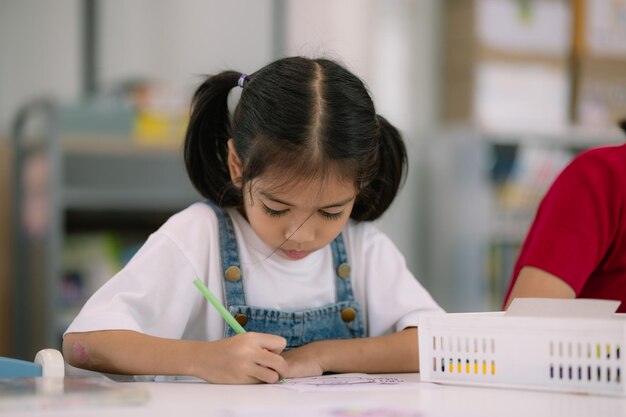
154, 293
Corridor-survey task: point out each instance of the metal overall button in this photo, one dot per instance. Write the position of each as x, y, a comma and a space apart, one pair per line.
232, 273
241, 318
343, 270
348, 314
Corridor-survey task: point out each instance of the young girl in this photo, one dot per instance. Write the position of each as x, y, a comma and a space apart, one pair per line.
292, 180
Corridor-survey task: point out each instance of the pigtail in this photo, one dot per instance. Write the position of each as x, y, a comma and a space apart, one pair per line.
206, 140
378, 194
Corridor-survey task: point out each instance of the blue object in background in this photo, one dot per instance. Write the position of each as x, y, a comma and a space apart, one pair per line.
48, 363
16, 368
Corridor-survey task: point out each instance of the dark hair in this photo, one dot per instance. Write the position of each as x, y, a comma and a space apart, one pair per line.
299, 117
622, 124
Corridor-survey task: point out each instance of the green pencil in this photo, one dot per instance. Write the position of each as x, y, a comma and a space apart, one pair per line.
219, 307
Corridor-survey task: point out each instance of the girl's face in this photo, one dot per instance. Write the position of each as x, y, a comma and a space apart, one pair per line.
300, 219
296, 218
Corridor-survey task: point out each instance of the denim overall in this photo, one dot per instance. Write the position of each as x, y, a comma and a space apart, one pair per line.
340, 320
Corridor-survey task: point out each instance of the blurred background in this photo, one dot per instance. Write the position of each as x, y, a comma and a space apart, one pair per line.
494, 98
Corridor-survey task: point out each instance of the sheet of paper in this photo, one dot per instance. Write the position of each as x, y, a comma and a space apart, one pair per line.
542, 27
605, 31
556, 307
537, 100
346, 382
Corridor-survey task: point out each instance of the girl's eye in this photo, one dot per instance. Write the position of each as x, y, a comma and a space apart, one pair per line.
273, 213
331, 216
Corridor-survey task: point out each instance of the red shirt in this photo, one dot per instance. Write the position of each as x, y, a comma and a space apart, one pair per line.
579, 232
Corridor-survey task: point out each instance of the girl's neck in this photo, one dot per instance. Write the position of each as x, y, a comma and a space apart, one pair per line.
243, 213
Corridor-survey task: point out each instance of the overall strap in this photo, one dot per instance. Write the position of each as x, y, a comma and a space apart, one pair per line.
229, 253
343, 284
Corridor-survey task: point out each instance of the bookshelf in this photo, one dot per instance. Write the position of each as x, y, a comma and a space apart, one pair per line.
482, 190
83, 203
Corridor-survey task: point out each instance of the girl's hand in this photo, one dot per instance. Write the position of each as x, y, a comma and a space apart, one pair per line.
247, 358
302, 361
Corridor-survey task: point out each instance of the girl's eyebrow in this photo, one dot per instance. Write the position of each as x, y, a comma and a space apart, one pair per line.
278, 200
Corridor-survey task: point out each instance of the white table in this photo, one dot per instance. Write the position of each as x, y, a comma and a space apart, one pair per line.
188, 399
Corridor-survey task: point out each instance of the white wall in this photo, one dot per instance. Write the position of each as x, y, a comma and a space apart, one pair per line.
404, 83
39, 53
164, 40
340, 30
178, 41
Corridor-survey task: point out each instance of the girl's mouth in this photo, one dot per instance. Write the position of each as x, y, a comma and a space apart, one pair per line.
295, 254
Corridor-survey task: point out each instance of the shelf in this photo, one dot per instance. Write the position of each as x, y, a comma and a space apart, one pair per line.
86, 199
117, 145
483, 188
112, 177
508, 225
569, 136
111, 192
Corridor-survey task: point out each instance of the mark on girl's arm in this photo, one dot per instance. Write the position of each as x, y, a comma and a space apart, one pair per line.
79, 352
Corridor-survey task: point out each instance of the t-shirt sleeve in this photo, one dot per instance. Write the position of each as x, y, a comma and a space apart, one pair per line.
573, 225
395, 298
146, 296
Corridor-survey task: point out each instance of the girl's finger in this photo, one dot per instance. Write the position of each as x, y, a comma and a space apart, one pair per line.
272, 361
265, 374
271, 342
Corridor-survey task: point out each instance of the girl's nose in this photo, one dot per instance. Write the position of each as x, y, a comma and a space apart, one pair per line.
301, 232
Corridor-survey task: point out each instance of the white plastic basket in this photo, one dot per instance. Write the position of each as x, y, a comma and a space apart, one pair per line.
559, 354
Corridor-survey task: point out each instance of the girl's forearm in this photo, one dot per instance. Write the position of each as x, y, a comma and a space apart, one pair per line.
241, 359
397, 352
129, 352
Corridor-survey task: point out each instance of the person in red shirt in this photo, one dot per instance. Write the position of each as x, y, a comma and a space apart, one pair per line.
576, 246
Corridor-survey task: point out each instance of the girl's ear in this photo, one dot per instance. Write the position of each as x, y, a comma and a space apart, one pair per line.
234, 164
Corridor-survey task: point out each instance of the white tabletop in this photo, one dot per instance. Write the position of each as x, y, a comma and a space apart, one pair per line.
188, 399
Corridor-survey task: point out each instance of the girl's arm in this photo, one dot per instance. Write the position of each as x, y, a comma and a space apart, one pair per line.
246, 358
535, 282
391, 353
